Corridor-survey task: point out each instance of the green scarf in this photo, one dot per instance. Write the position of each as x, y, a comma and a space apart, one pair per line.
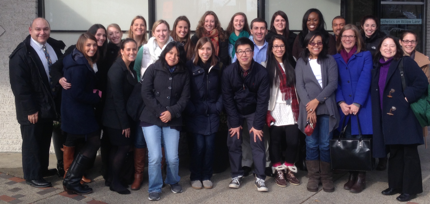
233, 38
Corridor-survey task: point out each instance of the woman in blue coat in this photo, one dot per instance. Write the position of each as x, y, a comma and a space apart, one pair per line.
394, 123
202, 111
353, 92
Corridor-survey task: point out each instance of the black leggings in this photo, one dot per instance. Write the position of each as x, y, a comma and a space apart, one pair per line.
284, 143
116, 157
92, 143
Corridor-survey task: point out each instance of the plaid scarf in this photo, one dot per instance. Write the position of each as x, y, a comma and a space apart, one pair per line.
289, 93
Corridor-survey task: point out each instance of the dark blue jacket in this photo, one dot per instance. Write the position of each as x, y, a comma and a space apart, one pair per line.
354, 82
402, 127
77, 103
244, 96
205, 104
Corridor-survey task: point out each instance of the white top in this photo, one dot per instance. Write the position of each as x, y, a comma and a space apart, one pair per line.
95, 67
317, 70
38, 48
151, 53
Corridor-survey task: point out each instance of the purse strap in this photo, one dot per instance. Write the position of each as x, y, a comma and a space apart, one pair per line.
401, 68
342, 133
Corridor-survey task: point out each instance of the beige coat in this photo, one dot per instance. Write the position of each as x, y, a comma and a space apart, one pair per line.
424, 63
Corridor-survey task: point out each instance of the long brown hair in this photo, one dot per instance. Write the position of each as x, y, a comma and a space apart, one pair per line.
200, 30
188, 44
144, 38
80, 45
230, 28
359, 41
286, 31
201, 42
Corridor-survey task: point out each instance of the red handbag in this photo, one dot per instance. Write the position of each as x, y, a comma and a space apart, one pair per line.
309, 128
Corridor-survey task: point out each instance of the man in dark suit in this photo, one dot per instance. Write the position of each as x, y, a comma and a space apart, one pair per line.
29, 66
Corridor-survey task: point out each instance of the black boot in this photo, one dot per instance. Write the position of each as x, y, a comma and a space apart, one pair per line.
71, 183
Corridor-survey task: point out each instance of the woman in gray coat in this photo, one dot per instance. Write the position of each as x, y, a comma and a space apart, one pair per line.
316, 83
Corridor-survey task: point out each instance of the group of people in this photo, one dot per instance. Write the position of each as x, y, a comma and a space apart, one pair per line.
274, 82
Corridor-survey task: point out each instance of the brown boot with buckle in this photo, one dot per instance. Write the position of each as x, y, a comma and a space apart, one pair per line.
279, 176
353, 176
140, 154
359, 185
313, 175
326, 175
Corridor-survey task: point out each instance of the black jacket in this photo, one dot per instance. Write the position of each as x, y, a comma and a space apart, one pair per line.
78, 102
402, 127
120, 86
30, 84
244, 96
161, 91
223, 53
372, 42
205, 104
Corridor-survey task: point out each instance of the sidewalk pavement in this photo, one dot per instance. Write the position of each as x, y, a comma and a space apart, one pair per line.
13, 188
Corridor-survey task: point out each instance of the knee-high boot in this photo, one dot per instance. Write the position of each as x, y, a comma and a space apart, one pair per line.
68, 155
313, 175
140, 154
71, 182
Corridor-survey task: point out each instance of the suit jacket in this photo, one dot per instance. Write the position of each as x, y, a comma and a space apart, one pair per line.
308, 88
30, 84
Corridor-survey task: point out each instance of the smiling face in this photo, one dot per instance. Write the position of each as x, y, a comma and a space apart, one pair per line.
279, 24
40, 30
388, 48
369, 27
172, 57
209, 24
313, 21
337, 25
278, 49
408, 43
205, 52
244, 54
315, 47
182, 29
161, 34
348, 39
138, 27
238, 23
114, 35
90, 47
128, 54
258, 31
100, 37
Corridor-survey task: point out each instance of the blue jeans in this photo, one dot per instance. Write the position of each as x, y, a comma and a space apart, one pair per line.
317, 145
201, 164
155, 136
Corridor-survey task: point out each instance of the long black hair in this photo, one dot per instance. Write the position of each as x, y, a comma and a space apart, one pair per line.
320, 27
181, 52
93, 30
310, 37
272, 63
398, 54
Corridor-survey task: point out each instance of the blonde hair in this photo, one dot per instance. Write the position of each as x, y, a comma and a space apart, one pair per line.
359, 41
157, 23
144, 37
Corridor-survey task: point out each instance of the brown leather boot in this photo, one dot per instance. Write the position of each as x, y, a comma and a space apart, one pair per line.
359, 185
140, 154
313, 175
353, 176
68, 155
326, 175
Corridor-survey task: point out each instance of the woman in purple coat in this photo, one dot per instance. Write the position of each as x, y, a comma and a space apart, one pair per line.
353, 92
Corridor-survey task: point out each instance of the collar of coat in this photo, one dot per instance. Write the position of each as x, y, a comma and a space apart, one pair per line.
339, 58
56, 44
161, 67
421, 59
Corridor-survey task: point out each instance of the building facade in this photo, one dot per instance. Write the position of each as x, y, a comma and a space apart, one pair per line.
68, 19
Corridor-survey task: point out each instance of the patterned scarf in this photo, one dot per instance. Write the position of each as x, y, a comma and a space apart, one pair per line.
289, 93
213, 35
233, 38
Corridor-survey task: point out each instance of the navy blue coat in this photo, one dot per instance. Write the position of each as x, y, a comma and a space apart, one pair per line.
244, 96
354, 82
205, 104
402, 127
78, 102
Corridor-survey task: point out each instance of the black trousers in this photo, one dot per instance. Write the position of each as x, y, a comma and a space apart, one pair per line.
404, 171
284, 143
36, 139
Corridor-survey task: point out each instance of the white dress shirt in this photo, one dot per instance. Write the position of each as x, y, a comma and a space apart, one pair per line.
38, 48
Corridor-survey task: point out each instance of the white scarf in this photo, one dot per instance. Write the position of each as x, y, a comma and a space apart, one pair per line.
152, 48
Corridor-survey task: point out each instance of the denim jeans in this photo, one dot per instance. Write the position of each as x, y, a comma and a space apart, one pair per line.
154, 136
139, 137
202, 158
317, 145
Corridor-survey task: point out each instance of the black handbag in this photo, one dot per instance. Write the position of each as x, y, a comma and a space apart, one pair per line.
351, 154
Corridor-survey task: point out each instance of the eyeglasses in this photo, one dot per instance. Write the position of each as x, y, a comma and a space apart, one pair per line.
314, 44
276, 47
408, 42
241, 52
348, 36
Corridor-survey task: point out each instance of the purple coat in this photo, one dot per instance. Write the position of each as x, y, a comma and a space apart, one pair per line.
354, 81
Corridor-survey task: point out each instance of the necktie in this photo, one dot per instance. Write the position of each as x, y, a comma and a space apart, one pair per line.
49, 67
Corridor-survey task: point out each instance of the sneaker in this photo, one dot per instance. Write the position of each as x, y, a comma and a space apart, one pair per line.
176, 188
208, 184
154, 196
196, 184
235, 182
260, 184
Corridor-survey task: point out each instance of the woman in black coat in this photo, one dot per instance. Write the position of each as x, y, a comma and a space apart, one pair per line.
77, 110
371, 34
202, 111
116, 122
280, 25
394, 124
